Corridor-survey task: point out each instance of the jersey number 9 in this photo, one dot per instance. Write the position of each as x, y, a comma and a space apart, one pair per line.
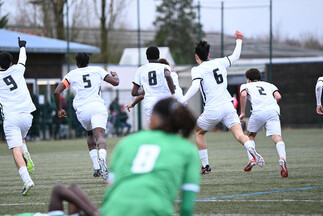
10, 81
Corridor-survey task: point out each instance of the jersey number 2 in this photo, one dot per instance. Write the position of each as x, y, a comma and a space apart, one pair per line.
152, 78
87, 81
261, 90
10, 81
145, 159
218, 77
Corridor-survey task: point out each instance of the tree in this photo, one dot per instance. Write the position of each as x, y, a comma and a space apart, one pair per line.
177, 28
3, 19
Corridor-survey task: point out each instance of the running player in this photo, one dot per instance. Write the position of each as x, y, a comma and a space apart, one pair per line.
156, 80
211, 77
89, 106
178, 90
16, 106
149, 167
318, 93
265, 112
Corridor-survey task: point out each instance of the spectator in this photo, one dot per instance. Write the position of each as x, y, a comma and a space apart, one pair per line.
123, 121
114, 109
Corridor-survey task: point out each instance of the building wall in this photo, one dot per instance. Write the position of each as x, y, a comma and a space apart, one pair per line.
296, 83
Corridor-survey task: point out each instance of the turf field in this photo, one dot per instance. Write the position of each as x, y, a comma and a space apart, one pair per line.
227, 190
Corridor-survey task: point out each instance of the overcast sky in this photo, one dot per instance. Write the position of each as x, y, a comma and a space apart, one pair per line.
291, 18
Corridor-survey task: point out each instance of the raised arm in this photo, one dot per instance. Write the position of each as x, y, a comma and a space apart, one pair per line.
169, 80
318, 93
237, 50
113, 79
22, 54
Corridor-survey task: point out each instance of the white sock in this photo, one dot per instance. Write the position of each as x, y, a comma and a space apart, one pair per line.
103, 154
204, 157
94, 157
253, 144
280, 146
24, 174
24, 148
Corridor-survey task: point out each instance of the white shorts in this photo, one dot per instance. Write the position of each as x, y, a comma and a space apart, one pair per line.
225, 114
92, 115
16, 128
269, 119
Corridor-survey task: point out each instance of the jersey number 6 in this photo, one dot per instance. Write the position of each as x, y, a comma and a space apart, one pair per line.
218, 77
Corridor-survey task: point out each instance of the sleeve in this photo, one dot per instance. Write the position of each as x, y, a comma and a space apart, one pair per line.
195, 73
318, 91
103, 73
243, 87
192, 175
273, 88
225, 62
68, 77
137, 80
22, 56
236, 52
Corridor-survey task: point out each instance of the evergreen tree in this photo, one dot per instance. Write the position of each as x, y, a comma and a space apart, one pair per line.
177, 28
3, 19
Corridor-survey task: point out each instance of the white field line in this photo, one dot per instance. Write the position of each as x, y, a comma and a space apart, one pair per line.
285, 200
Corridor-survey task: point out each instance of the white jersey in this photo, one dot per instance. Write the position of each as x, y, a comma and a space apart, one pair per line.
261, 96
86, 82
152, 77
318, 90
213, 87
178, 89
14, 94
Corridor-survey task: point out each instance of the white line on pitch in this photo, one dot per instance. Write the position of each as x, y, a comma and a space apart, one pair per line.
20, 204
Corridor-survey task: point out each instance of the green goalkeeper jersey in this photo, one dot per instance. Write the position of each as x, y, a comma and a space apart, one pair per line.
148, 169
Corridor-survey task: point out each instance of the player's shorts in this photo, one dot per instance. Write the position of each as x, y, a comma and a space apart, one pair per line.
269, 119
16, 128
92, 115
225, 114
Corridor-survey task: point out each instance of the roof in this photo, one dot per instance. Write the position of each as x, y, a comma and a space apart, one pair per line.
130, 56
38, 44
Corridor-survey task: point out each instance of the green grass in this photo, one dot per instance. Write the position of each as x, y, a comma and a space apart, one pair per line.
68, 162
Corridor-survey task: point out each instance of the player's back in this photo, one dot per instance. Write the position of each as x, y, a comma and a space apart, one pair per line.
86, 82
152, 78
261, 96
214, 82
15, 96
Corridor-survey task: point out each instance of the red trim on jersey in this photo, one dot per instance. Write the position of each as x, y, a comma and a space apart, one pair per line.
66, 83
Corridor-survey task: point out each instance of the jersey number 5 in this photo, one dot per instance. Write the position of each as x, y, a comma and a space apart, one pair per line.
145, 159
10, 81
218, 77
87, 81
152, 78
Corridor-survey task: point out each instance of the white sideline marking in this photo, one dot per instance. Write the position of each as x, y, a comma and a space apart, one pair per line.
285, 200
21, 204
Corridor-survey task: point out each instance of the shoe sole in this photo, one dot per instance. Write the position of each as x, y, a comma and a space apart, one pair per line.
103, 170
248, 168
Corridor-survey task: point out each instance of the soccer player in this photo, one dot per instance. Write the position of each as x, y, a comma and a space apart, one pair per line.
78, 202
265, 112
318, 93
89, 106
210, 76
16, 106
156, 80
178, 90
150, 166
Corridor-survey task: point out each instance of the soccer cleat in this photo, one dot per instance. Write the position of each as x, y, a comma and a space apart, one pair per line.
283, 172
258, 158
249, 166
104, 172
27, 187
205, 170
29, 162
96, 173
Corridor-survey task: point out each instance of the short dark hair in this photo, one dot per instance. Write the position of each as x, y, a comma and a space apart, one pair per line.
175, 117
152, 53
5, 60
253, 74
202, 50
82, 59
